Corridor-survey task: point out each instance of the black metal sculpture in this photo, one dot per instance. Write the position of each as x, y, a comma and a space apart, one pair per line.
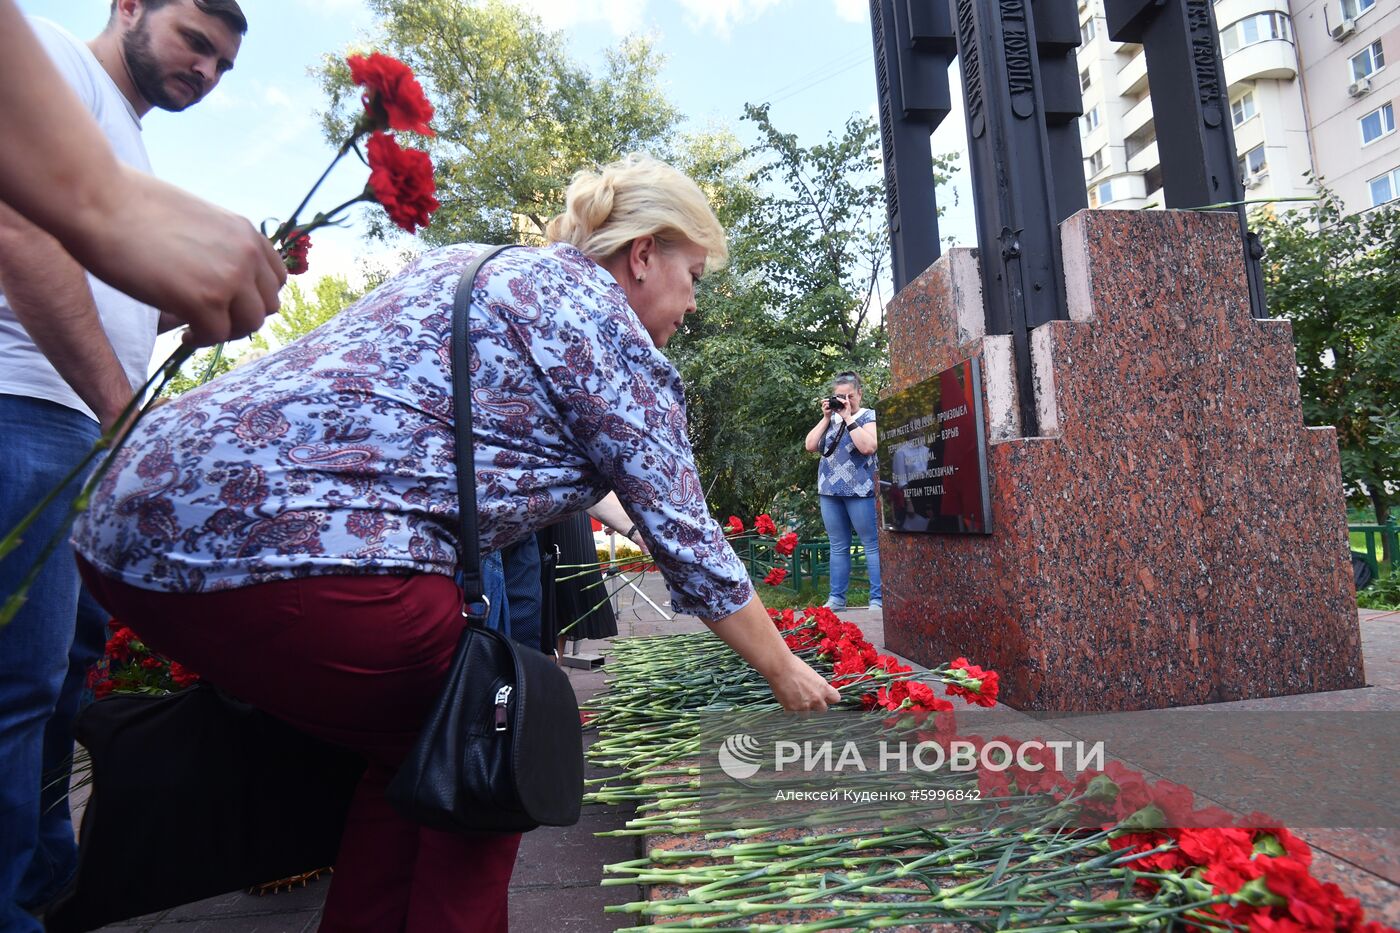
912, 50
1021, 90
1195, 137
1022, 97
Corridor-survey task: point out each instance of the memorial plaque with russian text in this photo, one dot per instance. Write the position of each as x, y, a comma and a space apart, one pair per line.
933, 455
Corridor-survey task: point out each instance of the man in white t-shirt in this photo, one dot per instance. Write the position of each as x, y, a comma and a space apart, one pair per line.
72, 351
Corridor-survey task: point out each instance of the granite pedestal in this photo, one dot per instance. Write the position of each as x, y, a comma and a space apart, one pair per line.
1176, 534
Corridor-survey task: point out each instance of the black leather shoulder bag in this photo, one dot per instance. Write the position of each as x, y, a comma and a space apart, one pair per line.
503, 748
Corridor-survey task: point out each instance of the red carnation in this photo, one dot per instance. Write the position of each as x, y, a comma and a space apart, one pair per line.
786, 544
975, 685
402, 180
294, 253
393, 97
763, 525
775, 576
734, 526
925, 699
182, 675
120, 645
890, 666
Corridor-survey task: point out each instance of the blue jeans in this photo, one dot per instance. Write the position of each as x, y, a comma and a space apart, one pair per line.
511, 578
42, 663
521, 565
842, 515
493, 585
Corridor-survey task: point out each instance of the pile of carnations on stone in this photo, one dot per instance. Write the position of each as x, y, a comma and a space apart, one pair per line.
1021, 845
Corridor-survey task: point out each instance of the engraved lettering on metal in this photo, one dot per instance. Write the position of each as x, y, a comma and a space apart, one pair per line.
971, 69
1020, 76
882, 94
1205, 58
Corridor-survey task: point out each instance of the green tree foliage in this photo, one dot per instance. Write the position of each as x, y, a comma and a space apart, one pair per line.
516, 116
1337, 278
199, 369
795, 306
302, 313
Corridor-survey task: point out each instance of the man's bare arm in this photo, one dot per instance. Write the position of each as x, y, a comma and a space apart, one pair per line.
48, 292
146, 238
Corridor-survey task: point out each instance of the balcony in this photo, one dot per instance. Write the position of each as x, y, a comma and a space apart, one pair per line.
1272, 58
1138, 116
1132, 77
1230, 11
1145, 158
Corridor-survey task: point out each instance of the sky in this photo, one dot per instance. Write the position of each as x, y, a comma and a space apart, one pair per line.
255, 145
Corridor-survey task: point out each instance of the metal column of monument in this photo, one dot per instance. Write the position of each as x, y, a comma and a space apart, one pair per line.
1092, 445
1195, 138
1021, 94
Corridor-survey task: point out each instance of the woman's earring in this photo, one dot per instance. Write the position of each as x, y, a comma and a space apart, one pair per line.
641, 277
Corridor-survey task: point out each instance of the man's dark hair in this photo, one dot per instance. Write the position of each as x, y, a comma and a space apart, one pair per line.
227, 10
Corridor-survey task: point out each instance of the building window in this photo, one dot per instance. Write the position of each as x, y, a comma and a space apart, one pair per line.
1085, 79
1377, 123
1386, 188
1094, 164
1104, 190
1090, 121
1351, 9
1260, 27
1253, 162
1087, 31
1368, 61
1242, 109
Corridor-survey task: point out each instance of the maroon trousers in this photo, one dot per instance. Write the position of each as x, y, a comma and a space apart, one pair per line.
357, 661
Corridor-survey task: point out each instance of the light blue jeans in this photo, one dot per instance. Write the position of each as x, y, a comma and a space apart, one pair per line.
44, 655
843, 515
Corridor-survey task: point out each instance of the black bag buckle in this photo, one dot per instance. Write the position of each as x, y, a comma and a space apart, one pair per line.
469, 609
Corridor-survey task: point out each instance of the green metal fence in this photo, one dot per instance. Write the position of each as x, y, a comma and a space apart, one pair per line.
808, 563
1376, 542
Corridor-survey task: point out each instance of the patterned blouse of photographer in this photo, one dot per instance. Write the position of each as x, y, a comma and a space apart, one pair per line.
845, 438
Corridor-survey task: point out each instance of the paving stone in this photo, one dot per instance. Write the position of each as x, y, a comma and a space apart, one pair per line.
269, 923
570, 910
571, 855
1380, 639
243, 904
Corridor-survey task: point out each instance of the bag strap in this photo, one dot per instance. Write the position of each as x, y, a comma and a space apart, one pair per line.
469, 557
831, 449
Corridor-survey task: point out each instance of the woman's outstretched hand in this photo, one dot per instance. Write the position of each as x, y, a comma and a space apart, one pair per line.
755, 638
800, 689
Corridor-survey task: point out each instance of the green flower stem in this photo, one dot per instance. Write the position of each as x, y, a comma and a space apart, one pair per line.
290, 223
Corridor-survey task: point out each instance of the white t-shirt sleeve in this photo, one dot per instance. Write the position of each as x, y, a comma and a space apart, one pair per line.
66, 52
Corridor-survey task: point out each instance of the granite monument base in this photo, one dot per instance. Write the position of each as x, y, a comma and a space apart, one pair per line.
1176, 534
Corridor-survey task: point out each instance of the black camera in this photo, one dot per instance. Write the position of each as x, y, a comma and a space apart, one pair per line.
835, 403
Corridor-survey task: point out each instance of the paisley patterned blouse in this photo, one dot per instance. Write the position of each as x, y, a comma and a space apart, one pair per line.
335, 455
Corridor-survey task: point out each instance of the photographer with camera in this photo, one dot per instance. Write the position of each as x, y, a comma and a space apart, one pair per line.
845, 438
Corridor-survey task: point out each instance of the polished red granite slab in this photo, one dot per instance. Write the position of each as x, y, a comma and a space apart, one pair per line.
1178, 536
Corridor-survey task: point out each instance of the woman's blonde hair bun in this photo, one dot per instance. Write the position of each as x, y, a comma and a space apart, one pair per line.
634, 197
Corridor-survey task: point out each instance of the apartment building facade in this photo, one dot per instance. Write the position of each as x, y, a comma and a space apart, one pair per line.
1309, 93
